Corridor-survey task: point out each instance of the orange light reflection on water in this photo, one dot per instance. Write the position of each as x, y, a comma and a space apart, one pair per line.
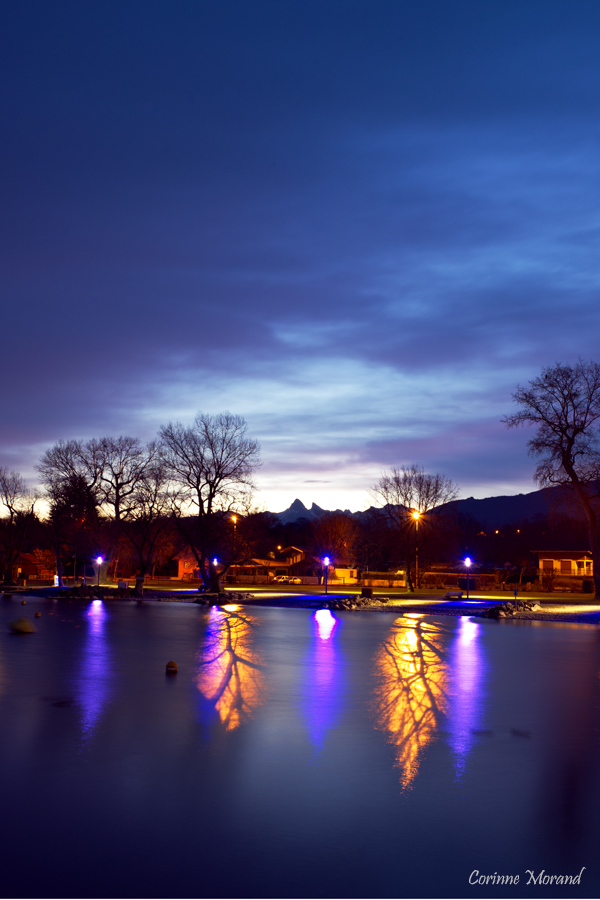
229, 668
411, 692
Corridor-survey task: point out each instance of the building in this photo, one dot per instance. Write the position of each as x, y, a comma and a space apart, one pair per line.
293, 562
565, 570
290, 562
565, 562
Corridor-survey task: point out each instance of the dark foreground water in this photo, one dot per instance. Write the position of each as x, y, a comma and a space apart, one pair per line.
295, 754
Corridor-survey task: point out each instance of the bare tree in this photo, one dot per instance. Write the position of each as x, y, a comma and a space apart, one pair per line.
71, 479
104, 471
335, 535
121, 463
409, 490
67, 463
563, 403
110, 466
19, 502
72, 525
147, 525
211, 463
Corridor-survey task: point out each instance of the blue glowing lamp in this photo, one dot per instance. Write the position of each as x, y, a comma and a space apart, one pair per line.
99, 561
215, 561
468, 565
468, 562
326, 564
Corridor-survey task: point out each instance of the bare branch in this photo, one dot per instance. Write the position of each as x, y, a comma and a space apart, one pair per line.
211, 464
563, 404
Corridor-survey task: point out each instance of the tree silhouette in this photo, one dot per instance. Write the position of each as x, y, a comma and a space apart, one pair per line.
19, 503
401, 492
563, 403
211, 463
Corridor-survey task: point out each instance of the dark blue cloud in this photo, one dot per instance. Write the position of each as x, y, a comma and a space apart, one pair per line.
334, 218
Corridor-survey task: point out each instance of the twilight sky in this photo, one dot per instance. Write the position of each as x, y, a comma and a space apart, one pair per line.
357, 224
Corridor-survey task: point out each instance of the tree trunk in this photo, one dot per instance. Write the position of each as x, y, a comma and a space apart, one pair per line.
204, 575
215, 579
592, 523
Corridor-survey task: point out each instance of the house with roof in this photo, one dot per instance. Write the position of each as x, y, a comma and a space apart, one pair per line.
287, 562
564, 568
290, 562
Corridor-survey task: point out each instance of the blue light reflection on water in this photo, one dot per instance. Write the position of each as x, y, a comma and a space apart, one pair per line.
323, 698
160, 805
467, 669
326, 622
93, 683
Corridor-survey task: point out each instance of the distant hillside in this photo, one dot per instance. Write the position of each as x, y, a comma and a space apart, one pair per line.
491, 512
494, 512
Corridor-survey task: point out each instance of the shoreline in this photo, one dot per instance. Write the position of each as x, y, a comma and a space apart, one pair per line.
435, 605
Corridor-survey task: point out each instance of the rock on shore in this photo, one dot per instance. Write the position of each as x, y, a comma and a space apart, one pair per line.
354, 602
511, 610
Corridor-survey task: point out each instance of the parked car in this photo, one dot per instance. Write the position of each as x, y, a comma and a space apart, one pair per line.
282, 579
295, 580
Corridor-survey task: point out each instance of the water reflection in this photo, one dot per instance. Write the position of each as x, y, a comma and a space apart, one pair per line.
467, 670
322, 685
229, 667
411, 690
325, 622
93, 685
570, 769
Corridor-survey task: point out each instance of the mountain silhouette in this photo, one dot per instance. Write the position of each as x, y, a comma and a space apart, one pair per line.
298, 510
490, 512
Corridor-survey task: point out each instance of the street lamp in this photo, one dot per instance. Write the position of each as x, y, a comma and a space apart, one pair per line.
233, 566
326, 564
468, 566
99, 560
416, 516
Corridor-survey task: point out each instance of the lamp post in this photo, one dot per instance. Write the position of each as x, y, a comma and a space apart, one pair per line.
468, 566
99, 560
234, 520
416, 516
326, 564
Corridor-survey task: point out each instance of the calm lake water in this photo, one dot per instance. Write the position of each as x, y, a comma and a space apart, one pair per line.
295, 754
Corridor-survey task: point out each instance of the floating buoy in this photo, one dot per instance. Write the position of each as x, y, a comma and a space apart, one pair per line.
38, 615
22, 626
23, 602
171, 667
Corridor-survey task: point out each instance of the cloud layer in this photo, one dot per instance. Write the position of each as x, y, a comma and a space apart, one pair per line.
359, 225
